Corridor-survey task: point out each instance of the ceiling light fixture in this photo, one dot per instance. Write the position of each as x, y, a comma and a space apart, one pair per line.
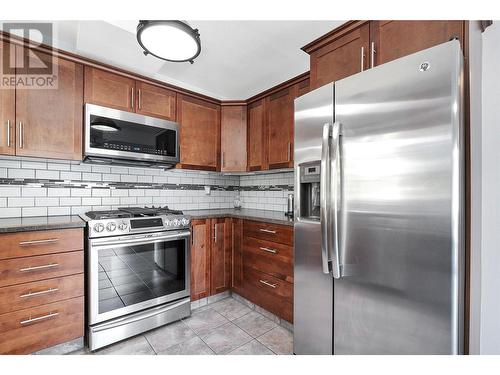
174, 41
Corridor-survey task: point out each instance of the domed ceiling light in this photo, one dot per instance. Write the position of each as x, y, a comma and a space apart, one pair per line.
174, 41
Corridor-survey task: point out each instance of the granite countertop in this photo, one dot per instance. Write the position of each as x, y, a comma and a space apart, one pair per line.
276, 217
24, 224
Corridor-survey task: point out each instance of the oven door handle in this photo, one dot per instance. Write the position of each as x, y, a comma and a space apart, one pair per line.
140, 241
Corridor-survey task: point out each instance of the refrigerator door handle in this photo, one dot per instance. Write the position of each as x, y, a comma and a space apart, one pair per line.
324, 196
336, 176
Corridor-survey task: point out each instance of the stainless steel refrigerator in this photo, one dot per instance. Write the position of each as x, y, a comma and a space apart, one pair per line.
379, 210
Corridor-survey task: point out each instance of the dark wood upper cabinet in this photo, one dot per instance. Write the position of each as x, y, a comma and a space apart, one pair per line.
7, 115
255, 131
49, 121
233, 138
200, 258
340, 57
199, 133
109, 89
155, 101
280, 124
395, 39
220, 255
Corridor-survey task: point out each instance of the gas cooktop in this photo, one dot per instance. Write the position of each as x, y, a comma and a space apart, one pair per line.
128, 212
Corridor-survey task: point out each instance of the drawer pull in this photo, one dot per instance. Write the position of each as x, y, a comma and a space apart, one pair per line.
34, 294
37, 268
38, 242
39, 318
268, 231
268, 250
268, 284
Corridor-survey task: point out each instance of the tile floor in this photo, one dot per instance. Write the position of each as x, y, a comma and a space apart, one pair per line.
223, 327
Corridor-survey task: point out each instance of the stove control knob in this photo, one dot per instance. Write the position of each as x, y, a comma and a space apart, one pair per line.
175, 222
122, 226
185, 221
111, 226
99, 227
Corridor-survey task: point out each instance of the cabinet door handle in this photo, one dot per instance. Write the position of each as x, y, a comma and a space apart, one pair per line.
132, 100
8, 133
34, 294
38, 242
289, 151
267, 231
373, 52
37, 268
265, 282
362, 58
21, 135
223, 162
215, 233
39, 318
274, 251
139, 99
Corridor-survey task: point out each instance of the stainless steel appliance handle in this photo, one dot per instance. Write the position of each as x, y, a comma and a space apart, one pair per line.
34, 294
336, 176
323, 195
39, 318
139, 241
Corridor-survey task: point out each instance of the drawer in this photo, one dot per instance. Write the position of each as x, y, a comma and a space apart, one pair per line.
269, 257
23, 244
269, 232
18, 297
260, 281
278, 300
26, 331
25, 270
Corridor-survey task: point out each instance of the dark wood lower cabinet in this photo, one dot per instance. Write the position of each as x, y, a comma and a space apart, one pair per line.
200, 259
220, 255
237, 264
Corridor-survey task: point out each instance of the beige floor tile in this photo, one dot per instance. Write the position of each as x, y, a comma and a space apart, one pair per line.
226, 338
255, 324
230, 308
279, 340
252, 348
204, 321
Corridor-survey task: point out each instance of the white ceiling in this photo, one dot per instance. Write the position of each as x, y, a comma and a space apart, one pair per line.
238, 59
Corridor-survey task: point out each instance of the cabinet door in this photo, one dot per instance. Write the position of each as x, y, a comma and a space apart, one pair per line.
109, 89
199, 134
280, 129
341, 58
155, 101
255, 131
237, 271
7, 114
200, 259
395, 39
233, 138
220, 255
49, 121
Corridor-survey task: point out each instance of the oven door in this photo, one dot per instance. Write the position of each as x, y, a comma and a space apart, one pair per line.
134, 272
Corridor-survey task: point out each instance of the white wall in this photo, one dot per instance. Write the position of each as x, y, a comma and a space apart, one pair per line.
490, 242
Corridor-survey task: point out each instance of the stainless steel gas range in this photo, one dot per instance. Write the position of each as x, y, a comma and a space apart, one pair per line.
138, 271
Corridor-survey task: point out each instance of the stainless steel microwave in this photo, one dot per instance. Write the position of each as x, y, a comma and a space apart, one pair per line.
119, 137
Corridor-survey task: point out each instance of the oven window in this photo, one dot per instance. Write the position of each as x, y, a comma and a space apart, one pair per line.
134, 274
112, 134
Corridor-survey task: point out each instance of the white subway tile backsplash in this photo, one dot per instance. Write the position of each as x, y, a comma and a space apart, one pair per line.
21, 173
105, 187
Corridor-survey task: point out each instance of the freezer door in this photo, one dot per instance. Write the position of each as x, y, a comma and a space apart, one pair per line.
313, 289
402, 229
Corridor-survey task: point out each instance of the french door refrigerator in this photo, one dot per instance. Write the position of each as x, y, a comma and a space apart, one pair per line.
379, 210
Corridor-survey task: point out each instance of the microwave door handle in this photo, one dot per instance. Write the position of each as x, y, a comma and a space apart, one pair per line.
324, 196
336, 200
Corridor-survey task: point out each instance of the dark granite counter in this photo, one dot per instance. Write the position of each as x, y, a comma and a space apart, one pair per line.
24, 224
276, 217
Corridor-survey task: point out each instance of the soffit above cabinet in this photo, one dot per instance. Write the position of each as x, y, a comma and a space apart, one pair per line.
239, 59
